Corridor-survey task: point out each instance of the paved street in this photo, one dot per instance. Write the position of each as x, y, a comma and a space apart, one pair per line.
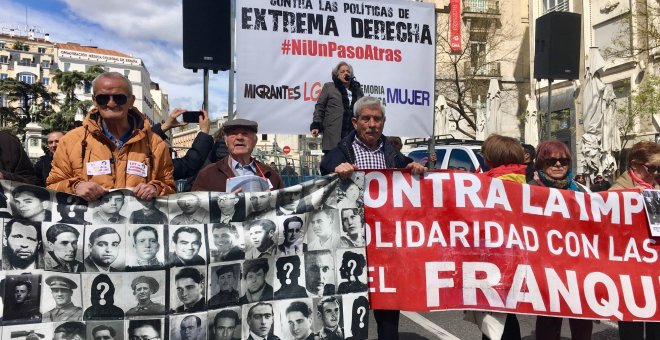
450, 326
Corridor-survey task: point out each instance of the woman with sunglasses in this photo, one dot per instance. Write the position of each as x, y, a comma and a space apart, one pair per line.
553, 160
643, 167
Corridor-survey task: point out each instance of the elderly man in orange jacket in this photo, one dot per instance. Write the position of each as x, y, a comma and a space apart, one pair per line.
114, 148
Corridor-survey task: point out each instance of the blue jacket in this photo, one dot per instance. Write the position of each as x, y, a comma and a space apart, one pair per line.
343, 153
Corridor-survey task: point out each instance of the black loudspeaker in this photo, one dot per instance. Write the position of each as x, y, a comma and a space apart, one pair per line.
557, 49
206, 34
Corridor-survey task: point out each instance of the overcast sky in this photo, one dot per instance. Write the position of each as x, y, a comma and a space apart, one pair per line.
146, 29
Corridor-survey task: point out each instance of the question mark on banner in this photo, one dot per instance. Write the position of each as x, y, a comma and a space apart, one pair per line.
362, 311
352, 264
104, 288
289, 268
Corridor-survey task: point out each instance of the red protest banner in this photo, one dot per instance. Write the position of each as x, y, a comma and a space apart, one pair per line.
466, 241
455, 25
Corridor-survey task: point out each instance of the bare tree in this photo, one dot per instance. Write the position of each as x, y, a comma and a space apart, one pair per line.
643, 22
645, 103
462, 76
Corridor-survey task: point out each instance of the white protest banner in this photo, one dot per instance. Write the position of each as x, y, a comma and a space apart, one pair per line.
285, 51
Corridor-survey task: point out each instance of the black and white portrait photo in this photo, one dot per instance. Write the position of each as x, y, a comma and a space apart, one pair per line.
21, 245
187, 245
349, 191
323, 229
356, 320
225, 324
37, 331
22, 299
5, 190
63, 247
147, 211
189, 208
296, 318
147, 292
187, 289
259, 321
292, 234
31, 203
105, 249
100, 296
257, 280
69, 330
261, 238
328, 320
351, 271
71, 209
260, 205
652, 207
109, 209
146, 329
226, 242
289, 283
61, 297
320, 273
227, 208
319, 193
224, 288
146, 247
352, 228
289, 200
105, 330
188, 327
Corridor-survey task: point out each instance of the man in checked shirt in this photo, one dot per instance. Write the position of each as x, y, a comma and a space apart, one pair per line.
367, 148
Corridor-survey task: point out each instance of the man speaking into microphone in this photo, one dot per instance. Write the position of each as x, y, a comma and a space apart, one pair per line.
334, 109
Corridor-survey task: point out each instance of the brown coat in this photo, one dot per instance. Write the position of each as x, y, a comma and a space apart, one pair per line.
214, 176
625, 182
69, 165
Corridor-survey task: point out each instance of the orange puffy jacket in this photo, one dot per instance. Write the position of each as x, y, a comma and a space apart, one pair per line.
69, 164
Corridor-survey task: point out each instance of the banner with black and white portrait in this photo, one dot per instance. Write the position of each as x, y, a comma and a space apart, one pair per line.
191, 266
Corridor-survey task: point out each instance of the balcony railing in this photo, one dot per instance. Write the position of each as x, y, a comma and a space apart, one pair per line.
485, 70
26, 63
481, 6
560, 7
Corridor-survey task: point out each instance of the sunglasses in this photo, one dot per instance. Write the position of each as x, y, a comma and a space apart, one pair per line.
553, 161
651, 169
104, 99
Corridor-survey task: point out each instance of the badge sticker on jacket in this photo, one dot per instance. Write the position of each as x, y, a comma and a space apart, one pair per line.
98, 168
136, 168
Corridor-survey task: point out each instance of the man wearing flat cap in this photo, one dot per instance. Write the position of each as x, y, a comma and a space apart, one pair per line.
143, 287
241, 138
62, 289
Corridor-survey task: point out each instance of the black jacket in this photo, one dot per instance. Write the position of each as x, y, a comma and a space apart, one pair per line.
15, 164
343, 153
188, 165
42, 168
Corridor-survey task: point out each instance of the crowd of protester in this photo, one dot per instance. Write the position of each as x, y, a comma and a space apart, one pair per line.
117, 148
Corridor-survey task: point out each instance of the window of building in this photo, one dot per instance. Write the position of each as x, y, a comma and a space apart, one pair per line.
555, 5
4, 59
45, 64
41, 50
28, 78
45, 81
88, 87
67, 66
126, 73
2, 45
3, 76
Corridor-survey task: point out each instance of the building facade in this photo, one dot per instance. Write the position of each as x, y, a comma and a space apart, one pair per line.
618, 31
494, 46
76, 57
